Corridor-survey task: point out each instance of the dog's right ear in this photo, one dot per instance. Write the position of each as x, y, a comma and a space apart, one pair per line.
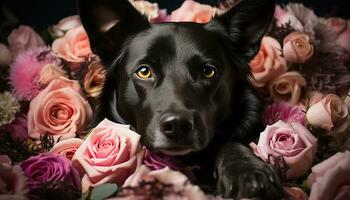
108, 24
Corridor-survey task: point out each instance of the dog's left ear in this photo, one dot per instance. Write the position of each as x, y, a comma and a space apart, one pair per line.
244, 25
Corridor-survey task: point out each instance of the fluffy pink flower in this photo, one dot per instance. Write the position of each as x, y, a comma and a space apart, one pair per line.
67, 148
12, 181
109, 154
285, 112
25, 71
291, 141
191, 11
23, 39
329, 179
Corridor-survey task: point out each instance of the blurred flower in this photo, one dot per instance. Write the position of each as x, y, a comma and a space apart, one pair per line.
108, 154
94, 79
9, 106
18, 128
268, 63
342, 28
59, 111
4, 159
150, 10
23, 39
12, 181
49, 168
25, 71
191, 11
330, 179
285, 112
64, 25
331, 114
291, 141
74, 47
297, 47
50, 72
5, 55
67, 147
311, 98
156, 161
284, 16
296, 193
287, 87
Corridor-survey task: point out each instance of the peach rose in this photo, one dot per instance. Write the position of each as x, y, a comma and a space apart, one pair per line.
191, 11
268, 63
74, 46
59, 111
342, 28
331, 113
22, 39
297, 47
67, 147
182, 187
5, 55
329, 179
287, 87
94, 79
292, 141
50, 72
64, 25
107, 155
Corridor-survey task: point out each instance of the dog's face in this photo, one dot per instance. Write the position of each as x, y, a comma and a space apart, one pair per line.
173, 81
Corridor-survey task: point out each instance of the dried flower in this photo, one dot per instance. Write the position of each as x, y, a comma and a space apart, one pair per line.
9, 106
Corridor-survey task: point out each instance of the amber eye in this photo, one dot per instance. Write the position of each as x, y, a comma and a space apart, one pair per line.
144, 72
208, 71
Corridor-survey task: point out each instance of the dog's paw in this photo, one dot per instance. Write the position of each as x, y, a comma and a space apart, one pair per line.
250, 181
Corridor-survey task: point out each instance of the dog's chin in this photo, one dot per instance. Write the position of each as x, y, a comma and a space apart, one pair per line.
176, 152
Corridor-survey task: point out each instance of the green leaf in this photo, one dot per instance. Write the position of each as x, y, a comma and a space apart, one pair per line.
104, 191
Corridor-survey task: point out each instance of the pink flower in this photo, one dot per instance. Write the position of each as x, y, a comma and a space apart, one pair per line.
50, 72
18, 128
268, 63
311, 98
67, 148
59, 111
331, 114
12, 181
5, 55
287, 87
107, 155
297, 47
342, 28
283, 17
4, 159
159, 161
23, 39
285, 112
330, 179
291, 141
150, 10
25, 71
47, 168
74, 47
183, 189
296, 193
191, 11
64, 25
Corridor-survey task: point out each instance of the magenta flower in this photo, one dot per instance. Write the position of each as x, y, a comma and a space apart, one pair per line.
25, 71
285, 112
156, 161
48, 168
18, 129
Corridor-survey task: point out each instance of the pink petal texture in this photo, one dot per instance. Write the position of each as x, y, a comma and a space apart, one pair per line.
109, 154
67, 147
191, 11
296, 193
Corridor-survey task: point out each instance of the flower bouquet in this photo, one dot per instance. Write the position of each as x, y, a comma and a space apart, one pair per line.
51, 82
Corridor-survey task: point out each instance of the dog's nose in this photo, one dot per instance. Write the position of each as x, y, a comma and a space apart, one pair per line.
176, 124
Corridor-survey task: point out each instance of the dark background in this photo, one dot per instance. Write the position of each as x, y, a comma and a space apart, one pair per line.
41, 13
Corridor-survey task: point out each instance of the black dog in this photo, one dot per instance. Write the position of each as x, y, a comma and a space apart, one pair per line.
184, 88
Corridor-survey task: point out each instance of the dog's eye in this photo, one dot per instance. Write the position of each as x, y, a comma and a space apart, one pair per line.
144, 72
208, 71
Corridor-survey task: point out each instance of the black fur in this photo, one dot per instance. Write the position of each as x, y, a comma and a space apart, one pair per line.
177, 110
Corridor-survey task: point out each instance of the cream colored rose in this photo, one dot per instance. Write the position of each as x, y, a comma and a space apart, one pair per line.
50, 72
94, 79
297, 47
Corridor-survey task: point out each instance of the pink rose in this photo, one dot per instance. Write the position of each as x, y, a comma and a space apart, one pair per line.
268, 63
329, 179
150, 10
191, 11
107, 155
74, 46
47, 168
64, 25
284, 17
285, 112
23, 39
94, 79
50, 72
296, 193
12, 181
287, 87
5, 55
331, 114
67, 148
182, 188
59, 111
342, 28
297, 47
291, 141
